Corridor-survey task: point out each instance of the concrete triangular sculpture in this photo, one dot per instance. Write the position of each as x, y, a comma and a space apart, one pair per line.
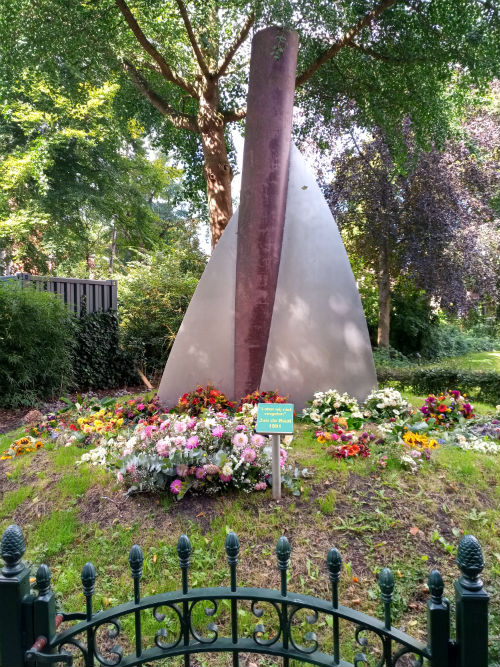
277, 306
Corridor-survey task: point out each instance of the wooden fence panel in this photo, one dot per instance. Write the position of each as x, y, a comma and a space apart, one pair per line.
96, 295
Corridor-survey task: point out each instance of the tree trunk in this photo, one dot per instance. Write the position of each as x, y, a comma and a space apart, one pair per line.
384, 296
217, 170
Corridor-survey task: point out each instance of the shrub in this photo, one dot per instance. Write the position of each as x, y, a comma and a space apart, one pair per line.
98, 360
153, 298
36, 343
448, 340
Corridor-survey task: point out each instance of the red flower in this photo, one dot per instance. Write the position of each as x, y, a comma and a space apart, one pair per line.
211, 400
73, 427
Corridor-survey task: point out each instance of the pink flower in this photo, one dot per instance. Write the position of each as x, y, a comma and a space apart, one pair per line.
240, 440
257, 440
248, 455
131, 468
180, 441
241, 427
149, 430
180, 427
162, 448
218, 432
334, 436
192, 442
191, 423
176, 486
164, 425
119, 477
200, 473
260, 486
283, 457
140, 406
182, 470
225, 478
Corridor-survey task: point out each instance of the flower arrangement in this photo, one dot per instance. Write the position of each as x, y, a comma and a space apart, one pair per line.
330, 403
447, 409
344, 444
419, 441
208, 454
384, 404
263, 397
201, 398
475, 444
24, 445
99, 422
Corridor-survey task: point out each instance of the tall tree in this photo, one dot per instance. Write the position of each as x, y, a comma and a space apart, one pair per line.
75, 189
368, 61
438, 223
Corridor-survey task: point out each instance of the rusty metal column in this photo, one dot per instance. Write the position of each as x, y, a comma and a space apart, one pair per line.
264, 185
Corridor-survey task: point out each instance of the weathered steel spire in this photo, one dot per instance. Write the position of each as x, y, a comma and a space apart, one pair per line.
264, 185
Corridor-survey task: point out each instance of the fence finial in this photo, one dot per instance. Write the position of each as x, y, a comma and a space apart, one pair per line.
136, 560
471, 562
283, 551
12, 549
88, 579
232, 548
436, 586
43, 577
334, 564
184, 550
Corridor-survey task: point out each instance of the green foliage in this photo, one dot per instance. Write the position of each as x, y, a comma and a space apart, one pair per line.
36, 342
412, 318
98, 360
75, 185
481, 385
448, 340
153, 298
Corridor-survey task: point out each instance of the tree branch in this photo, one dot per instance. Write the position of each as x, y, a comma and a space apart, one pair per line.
344, 40
165, 68
224, 64
180, 120
234, 115
192, 39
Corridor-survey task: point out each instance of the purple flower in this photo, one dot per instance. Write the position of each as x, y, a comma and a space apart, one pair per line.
176, 486
200, 473
218, 431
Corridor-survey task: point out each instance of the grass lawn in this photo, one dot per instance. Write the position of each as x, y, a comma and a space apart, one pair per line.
376, 517
478, 361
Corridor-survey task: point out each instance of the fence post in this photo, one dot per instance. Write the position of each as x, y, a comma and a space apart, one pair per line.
44, 606
14, 589
438, 621
472, 606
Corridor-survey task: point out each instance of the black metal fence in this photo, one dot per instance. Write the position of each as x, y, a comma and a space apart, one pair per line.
30, 635
81, 296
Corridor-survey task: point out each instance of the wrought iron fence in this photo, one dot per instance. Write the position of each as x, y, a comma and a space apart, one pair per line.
81, 296
30, 625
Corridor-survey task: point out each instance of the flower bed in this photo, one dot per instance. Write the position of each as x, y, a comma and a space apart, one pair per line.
207, 444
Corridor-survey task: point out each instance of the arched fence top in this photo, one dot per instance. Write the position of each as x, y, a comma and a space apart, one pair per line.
284, 621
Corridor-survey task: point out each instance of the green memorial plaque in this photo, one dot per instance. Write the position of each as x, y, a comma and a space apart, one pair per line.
275, 418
